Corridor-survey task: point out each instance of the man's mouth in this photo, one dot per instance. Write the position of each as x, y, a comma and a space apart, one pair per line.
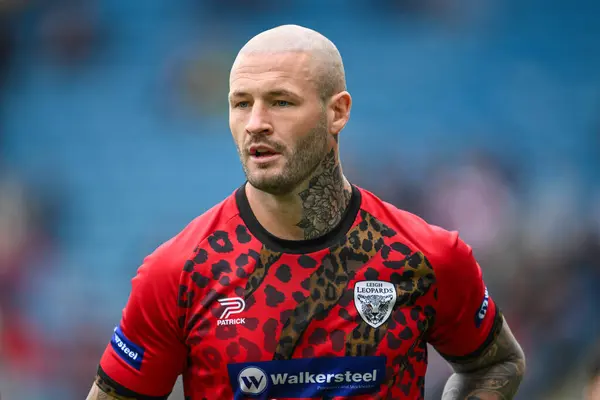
262, 152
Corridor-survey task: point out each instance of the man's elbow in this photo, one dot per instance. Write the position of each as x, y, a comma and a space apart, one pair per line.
517, 357
519, 366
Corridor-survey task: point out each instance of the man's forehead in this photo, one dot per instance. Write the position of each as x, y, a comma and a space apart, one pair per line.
291, 64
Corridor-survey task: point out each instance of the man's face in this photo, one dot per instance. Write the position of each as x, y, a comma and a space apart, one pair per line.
277, 120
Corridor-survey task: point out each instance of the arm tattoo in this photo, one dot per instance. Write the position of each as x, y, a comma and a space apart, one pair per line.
325, 199
102, 390
495, 375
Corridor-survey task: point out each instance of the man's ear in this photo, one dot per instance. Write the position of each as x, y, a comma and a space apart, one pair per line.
338, 111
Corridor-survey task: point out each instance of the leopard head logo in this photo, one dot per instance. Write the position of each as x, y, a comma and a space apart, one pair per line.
375, 307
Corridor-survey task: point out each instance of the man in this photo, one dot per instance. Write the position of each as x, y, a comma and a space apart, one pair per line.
300, 284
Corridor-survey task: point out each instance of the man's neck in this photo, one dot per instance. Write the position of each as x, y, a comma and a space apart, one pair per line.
310, 211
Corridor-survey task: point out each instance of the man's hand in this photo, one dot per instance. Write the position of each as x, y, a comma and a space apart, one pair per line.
495, 375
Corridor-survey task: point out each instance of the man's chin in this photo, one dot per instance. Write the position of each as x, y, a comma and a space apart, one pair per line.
272, 185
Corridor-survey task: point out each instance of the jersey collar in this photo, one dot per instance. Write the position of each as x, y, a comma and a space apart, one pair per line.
298, 246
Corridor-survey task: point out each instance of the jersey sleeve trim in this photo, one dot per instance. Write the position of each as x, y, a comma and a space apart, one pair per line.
122, 391
494, 332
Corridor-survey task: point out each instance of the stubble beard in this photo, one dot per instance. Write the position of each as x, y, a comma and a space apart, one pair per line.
299, 165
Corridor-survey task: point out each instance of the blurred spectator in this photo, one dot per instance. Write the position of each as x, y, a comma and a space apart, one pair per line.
416, 7
18, 235
405, 193
8, 9
476, 199
6, 49
194, 82
200, 82
24, 243
446, 14
232, 9
70, 32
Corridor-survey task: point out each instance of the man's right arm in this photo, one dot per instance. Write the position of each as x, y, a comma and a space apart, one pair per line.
97, 394
102, 390
146, 352
102, 394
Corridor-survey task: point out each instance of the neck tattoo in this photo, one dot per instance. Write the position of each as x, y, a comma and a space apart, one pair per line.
325, 199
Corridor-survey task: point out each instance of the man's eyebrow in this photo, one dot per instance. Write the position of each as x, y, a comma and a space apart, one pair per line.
271, 93
281, 92
238, 93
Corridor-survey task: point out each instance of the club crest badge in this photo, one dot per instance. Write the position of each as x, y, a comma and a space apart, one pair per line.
374, 301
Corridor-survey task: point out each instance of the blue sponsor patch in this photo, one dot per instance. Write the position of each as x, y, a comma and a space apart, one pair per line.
307, 377
480, 315
130, 352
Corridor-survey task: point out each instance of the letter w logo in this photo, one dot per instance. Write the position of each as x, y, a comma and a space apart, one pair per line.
252, 382
233, 305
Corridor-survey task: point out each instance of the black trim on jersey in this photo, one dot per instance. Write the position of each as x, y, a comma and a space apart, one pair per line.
122, 391
298, 246
494, 332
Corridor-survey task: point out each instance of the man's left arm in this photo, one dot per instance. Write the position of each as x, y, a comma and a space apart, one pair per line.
494, 375
469, 330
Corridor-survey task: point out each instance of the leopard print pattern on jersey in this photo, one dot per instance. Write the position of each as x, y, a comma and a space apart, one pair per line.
328, 283
413, 282
367, 252
266, 259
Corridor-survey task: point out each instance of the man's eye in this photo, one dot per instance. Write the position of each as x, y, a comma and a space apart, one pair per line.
283, 103
241, 104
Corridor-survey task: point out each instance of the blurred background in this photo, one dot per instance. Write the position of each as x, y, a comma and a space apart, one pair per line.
478, 115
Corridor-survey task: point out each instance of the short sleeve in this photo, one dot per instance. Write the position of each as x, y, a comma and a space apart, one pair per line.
145, 354
467, 319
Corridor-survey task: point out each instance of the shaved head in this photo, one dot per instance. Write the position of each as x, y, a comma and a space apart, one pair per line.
326, 67
287, 104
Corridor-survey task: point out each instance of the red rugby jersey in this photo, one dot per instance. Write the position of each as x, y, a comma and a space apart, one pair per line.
242, 314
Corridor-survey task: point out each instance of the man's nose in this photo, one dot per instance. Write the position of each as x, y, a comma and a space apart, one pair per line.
259, 122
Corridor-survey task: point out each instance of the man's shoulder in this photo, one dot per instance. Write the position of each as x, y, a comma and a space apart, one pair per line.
434, 241
179, 248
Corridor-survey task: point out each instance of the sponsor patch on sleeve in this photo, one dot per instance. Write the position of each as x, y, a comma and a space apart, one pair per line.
482, 311
308, 377
130, 352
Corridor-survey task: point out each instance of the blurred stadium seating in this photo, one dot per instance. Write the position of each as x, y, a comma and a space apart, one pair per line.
480, 116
